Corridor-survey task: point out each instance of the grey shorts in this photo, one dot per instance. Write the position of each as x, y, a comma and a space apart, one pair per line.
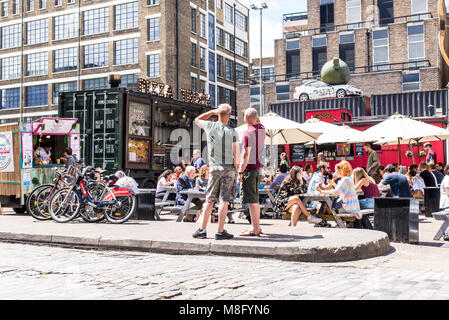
222, 184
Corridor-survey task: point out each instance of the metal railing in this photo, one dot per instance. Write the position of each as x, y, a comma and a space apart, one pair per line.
295, 16
315, 75
357, 25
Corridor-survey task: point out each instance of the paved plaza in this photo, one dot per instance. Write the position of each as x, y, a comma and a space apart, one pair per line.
32, 271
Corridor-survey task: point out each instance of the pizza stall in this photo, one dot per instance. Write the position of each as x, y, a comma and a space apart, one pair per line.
22, 165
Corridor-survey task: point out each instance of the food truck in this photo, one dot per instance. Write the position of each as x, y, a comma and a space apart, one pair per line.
30, 155
134, 130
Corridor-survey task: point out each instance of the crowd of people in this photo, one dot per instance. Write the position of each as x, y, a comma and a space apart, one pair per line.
231, 168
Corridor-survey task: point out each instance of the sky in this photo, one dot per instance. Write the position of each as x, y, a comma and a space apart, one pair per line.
272, 23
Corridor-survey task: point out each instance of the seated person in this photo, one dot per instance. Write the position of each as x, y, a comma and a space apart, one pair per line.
176, 173
397, 182
162, 182
197, 160
369, 187
428, 177
287, 199
438, 175
416, 182
378, 175
203, 178
307, 173
44, 154
187, 182
283, 169
348, 200
318, 179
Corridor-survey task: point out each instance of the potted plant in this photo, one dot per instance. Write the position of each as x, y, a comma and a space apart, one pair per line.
422, 153
409, 153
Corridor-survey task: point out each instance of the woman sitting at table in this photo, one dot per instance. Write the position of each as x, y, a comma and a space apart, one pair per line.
163, 181
369, 187
347, 201
287, 199
203, 178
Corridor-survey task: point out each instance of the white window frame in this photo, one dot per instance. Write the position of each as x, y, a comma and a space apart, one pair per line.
415, 2
412, 42
356, 23
385, 68
408, 83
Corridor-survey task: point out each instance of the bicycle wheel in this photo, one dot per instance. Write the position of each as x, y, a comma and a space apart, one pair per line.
89, 214
33, 205
122, 212
65, 205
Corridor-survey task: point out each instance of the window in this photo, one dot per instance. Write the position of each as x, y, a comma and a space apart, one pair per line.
229, 14
228, 96
193, 83
326, 15
193, 20
228, 41
292, 59
15, 7
11, 36
228, 70
36, 96
255, 98
202, 25
58, 3
126, 51
37, 64
347, 50
96, 55
65, 59
37, 31
211, 29
241, 21
241, 72
220, 98
353, 13
10, 68
380, 49
415, 39
152, 2
211, 66
126, 16
66, 26
219, 37
240, 47
153, 29
319, 54
62, 87
202, 86
42, 4
386, 12
219, 4
219, 66
96, 21
70, 1
267, 73
30, 5
193, 55
10, 98
129, 81
419, 6
283, 92
410, 81
212, 94
4, 9
292, 45
95, 84
202, 59
153, 65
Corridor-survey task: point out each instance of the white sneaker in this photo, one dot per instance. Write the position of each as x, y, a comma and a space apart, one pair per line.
313, 220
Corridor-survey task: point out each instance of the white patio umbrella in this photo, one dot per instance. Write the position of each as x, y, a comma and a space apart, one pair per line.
399, 129
280, 130
332, 133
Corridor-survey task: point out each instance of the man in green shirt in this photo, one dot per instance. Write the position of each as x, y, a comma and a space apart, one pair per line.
373, 159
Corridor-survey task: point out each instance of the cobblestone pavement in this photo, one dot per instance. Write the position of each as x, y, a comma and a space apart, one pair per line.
43, 272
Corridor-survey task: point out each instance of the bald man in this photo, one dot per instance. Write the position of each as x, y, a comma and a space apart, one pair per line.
249, 170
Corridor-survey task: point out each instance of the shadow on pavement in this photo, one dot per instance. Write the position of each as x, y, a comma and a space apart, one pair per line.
275, 237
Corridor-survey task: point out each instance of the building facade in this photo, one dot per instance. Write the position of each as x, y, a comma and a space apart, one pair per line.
63, 45
390, 47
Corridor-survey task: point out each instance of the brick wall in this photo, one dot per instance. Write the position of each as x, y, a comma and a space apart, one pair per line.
397, 43
430, 79
280, 63
306, 54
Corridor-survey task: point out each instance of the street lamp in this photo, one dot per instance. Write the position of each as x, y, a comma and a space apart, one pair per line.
254, 7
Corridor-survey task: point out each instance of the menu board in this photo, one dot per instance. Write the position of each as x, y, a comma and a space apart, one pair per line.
359, 149
139, 119
298, 152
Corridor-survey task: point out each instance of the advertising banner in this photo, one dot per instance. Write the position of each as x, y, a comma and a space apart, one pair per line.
6, 152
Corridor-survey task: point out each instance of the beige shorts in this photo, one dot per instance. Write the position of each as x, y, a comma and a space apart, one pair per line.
222, 184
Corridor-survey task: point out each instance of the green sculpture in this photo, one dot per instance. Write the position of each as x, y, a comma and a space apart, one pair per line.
335, 71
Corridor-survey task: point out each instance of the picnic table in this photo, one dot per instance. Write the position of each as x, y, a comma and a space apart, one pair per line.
442, 216
270, 201
168, 190
191, 194
324, 198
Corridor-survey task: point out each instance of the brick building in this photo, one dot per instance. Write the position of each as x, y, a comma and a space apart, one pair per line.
61, 45
391, 47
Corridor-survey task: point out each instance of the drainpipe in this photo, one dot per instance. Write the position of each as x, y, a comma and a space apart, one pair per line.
177, 49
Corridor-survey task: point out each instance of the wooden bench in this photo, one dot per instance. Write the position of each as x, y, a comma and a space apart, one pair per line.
441, 216
346, 217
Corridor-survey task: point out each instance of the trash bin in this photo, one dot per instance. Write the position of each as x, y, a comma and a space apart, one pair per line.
397, 217
145, 206
431, 200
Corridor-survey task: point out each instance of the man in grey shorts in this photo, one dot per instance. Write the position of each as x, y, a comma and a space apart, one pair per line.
222, 144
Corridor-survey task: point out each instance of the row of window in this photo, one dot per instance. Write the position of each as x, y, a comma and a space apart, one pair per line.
66, 26
241, 21
38, 95
95, 55
380, 50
